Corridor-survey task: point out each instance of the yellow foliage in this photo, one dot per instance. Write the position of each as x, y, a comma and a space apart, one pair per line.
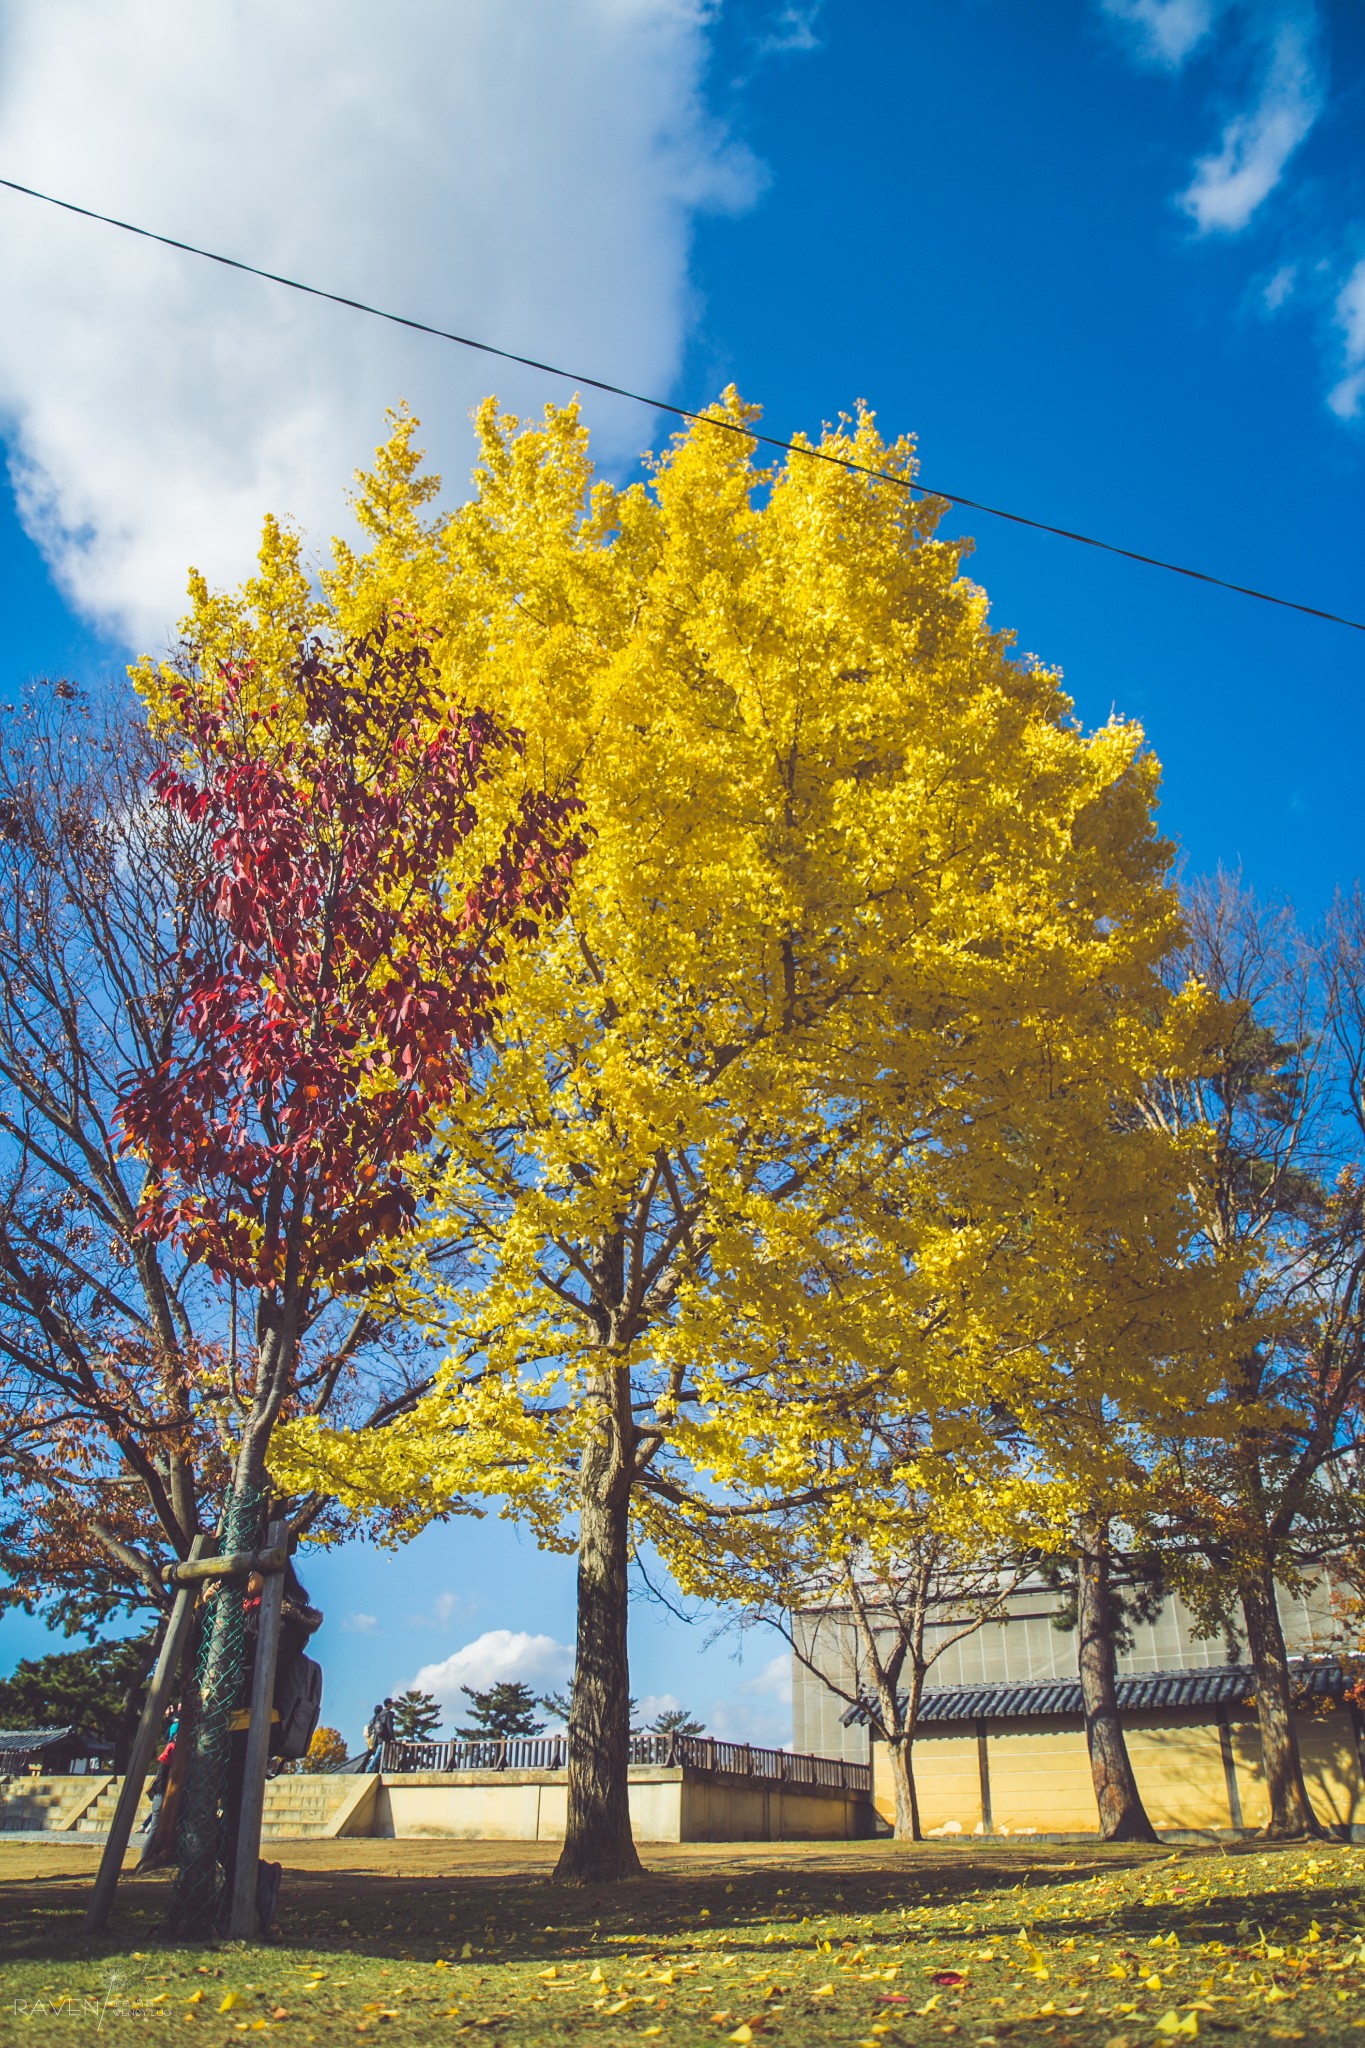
820, 1084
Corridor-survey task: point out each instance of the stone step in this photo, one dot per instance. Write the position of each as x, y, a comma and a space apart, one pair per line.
29, 1804
294, 1805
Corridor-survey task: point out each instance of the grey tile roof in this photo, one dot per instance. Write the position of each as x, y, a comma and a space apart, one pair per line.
34, 1738
1222, 1686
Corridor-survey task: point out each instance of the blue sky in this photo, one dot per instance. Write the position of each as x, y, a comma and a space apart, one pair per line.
1106, 260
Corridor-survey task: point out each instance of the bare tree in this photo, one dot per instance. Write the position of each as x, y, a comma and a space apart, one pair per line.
873, 1576
120, 1394
1266, 1493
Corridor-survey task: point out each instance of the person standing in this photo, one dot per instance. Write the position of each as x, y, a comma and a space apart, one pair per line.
379, 1730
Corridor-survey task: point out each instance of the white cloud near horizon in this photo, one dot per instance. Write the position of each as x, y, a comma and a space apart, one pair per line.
1347, 398
1230, 186
528, 175
499, 1653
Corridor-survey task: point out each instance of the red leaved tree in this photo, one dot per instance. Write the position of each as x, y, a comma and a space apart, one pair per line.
349, 974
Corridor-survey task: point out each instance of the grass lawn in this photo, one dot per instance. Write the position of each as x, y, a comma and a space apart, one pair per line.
857, 1943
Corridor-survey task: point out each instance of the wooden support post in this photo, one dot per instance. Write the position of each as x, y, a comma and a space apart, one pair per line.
1234, 1790
983, 1769
235, 1565
144, 1747
242, 1907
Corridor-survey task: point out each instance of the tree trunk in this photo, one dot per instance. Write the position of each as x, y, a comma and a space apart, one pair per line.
598, 1845
1291, 1814
900, 1759
1123, 1818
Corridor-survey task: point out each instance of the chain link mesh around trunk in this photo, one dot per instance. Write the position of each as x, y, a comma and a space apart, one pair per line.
219, 1690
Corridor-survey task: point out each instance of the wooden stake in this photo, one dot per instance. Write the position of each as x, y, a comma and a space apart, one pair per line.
242, 1916
235, 1565
144, 1748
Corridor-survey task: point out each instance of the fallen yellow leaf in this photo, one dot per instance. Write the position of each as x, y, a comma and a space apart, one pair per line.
823, 1991
553, 1971
195, 1997
742, 2032
230, 1999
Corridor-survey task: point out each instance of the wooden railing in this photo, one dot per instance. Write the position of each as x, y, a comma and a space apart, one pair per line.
697, 1752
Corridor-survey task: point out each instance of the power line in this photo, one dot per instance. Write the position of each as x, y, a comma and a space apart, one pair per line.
681, 412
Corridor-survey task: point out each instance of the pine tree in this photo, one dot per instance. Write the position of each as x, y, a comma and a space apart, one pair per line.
416, 1716
507, 1708
676, 1721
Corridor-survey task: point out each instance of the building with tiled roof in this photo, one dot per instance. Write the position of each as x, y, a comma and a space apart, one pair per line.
1000, 1747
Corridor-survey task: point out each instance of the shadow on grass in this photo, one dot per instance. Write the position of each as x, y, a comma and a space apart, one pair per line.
512, 1916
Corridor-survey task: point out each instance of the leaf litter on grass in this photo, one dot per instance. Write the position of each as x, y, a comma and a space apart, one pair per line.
1252, 1943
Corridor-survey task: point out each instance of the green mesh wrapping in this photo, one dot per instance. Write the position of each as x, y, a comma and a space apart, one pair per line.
218, 1692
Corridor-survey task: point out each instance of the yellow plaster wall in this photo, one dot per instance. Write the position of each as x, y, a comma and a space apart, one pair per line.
1040, 1774
1331, 1768
947, 1782
1331, 1765
1040, 1778
1179, 1769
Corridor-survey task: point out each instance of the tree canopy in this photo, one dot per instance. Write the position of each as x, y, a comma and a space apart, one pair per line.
822, 1061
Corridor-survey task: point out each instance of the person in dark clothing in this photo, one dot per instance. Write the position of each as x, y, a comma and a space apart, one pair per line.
379, 1729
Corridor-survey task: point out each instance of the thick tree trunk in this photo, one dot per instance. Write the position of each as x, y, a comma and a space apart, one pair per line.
1123, 1818
598, 1845
1291, 1814
900, 1758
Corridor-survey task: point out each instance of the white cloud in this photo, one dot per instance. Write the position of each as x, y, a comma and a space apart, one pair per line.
759, 1709
527, 174
1227, 188
653, 1704
360, 1624
1280, 288
1348, 396
1166, 31
537, 1661
792, 28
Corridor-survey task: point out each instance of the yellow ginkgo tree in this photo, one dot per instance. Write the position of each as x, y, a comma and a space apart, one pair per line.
821, 1060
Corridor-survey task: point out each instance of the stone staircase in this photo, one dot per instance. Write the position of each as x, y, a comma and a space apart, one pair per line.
97, 1818
303, 1803
29, 1805
298, 1805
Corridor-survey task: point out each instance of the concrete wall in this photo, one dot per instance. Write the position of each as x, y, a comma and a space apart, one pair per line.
666, 1805
1039, 1773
